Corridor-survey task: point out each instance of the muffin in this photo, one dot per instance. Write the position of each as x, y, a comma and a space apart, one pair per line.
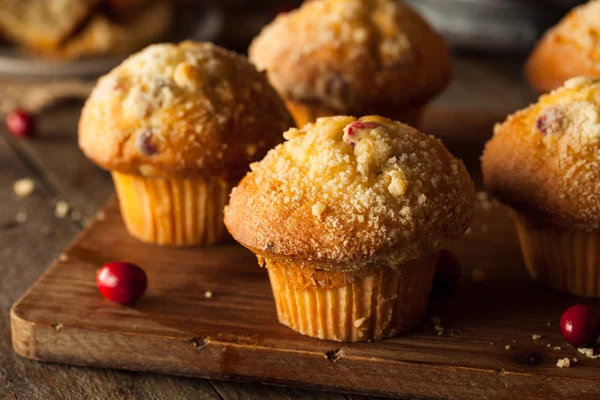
353, 57
543, 162
348, 216
568, 50
177, 126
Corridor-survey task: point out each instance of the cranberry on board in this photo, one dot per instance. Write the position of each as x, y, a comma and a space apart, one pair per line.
121, 282
447, 272
580, 325
20, 123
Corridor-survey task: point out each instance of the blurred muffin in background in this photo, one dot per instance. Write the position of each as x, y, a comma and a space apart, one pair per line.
568, 50
72, 29
353, 57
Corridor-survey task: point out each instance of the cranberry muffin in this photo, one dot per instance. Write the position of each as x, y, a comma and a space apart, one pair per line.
177, 126
543, 162
570, 49
353, 57
348, 216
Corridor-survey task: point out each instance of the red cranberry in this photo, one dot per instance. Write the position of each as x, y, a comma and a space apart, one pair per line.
351, 130
580, 325
121, 282
20, 123
549, 121
447, 272
146, 142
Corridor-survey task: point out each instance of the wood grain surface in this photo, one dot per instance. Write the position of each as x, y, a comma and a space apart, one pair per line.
234, 335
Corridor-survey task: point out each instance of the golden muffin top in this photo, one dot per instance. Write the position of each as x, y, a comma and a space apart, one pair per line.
570, 49
545, 159
345, 194
182, 110
353, 55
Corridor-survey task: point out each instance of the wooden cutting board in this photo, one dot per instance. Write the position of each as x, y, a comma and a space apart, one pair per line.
176, 329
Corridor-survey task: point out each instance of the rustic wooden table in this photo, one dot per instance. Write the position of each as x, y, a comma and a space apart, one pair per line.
61, 173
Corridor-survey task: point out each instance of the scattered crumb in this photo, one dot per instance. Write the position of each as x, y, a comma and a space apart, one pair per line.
62, 209
24, 187
101, 216
439, 329
63, 257
57, 326
548, 345
359, 322
507, 347
208, 294
548, 324
588, 352
21, 217
557, 348
468, 231
478, 275
491, 343
575, 359
436, 320
535, 336
514, 341
563, 363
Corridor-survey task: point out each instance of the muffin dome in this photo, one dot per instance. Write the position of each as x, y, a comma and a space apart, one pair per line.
345, 194
353, 56
570, 49
182, 110
545, 159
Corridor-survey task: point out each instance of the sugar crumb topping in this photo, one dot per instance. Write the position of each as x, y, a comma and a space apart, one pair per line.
386, 176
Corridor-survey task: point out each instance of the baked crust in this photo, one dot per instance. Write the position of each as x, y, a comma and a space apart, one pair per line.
192, 109
348, 195
570, 49
42, 24
544, 161
353, 56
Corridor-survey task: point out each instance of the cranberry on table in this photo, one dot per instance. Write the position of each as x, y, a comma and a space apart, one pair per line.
580, 325
447, 272
20, 123
121, 282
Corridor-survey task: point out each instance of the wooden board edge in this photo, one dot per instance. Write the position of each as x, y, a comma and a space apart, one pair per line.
217, 359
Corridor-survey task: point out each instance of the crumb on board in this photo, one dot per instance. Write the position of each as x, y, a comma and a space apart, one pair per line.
63, 257
548, 324
507, 347
563, 363
62, 209
439, 329
557, 348
548, 345
478, 275
491, 343
21, 217
24, 187
588, 352
535, 336
208, 294
101, 216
